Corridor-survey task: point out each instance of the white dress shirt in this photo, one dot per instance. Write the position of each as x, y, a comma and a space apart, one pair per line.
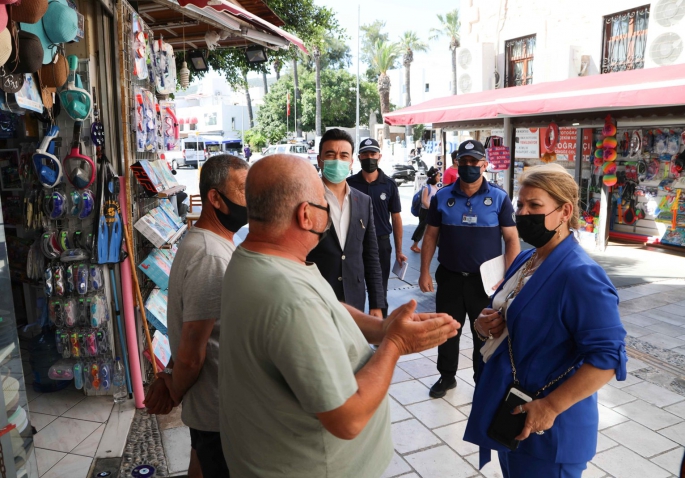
340, 215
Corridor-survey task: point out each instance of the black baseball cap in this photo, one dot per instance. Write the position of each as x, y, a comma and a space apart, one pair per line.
471, 148
369, 145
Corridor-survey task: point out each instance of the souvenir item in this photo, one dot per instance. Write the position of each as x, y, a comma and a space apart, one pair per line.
79, 169
146, 127
76, 101
164, 65
29, 11
139, 46
58, 25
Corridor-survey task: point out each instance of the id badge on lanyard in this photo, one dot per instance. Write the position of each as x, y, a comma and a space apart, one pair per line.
469, 218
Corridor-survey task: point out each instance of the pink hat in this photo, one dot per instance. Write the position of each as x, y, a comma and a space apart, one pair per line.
3, 16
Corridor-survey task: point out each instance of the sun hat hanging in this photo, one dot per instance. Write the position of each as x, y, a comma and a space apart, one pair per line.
55, 73
58, 25
28, 11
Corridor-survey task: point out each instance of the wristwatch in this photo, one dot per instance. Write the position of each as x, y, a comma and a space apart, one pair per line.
168, 370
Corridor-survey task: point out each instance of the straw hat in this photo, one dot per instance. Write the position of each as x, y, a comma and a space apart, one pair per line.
30, 54
5, 46
29, 11
55, 73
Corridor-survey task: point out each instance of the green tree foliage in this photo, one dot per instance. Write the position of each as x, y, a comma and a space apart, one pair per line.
338, 103
371, 36
449, 28
255, 139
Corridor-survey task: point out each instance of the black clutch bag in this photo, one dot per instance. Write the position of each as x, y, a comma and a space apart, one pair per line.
505, 427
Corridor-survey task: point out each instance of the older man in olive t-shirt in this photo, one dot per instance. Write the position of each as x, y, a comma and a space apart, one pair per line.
302, 394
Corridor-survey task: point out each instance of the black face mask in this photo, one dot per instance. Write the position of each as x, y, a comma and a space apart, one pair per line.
235, 219
469, 174
531, 228
369, 165
322, 234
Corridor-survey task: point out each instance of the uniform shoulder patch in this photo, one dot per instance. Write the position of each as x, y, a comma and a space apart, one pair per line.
450, 202
383, 196
487, 201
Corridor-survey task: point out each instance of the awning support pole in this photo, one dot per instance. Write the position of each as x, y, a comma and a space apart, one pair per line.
508, 141
605, 210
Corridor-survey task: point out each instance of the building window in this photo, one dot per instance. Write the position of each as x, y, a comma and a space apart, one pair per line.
193, 127
210, 119
233, 123
625, 38
520, 53
428, 87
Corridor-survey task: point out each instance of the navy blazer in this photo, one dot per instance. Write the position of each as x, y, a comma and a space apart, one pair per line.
566, 314
357, 268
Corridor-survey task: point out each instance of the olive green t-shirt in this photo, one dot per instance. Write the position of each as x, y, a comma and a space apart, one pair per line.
290, 350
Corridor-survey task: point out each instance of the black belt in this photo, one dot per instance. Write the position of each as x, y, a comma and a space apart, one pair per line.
383, 237
464, 274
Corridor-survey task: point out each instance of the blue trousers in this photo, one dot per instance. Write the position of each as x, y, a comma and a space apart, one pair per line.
516, 464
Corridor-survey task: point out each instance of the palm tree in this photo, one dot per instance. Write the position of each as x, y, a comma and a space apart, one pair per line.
449, 27
248, 99
409, 43
278, 64
384, 56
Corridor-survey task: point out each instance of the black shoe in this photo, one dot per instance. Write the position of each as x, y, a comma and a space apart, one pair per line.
439, 388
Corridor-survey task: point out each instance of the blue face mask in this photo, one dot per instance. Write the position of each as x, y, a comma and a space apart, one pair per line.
469, 174
336, 170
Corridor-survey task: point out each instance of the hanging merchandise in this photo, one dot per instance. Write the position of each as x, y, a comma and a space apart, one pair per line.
139, 46
164, 67
609, 154
76, 101
58, 25
48, 168
79, 169
146, 127
171, 133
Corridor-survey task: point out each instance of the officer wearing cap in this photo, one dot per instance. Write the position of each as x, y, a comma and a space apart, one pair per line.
372, 181
470, 218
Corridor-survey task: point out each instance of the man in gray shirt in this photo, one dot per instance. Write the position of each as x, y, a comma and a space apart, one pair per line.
302, 394
193, 316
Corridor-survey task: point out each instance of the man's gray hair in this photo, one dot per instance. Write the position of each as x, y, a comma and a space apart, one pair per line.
275, 205
215, 172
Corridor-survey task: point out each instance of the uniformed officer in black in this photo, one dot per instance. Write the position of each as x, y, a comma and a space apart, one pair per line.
385, 197
468, 220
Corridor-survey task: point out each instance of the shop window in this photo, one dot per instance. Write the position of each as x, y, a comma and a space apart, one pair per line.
625, 38
520, 53
210, 119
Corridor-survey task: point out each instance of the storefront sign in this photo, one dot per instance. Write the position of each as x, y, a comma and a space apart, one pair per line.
566, 147
527, 142
499, 158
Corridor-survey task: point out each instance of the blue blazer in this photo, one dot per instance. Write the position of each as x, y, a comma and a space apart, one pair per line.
358, 265
566, 314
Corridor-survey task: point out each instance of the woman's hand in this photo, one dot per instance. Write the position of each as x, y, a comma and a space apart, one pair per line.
540, 416
490, 322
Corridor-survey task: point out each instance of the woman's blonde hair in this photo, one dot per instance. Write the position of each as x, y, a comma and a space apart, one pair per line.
558, 183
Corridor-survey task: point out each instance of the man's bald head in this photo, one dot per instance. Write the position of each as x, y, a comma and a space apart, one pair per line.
276, 185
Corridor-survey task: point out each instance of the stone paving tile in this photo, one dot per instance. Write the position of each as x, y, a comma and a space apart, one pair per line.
409, 392
491, 470
635, 364
397, 411
667, 329
466, 374
635, 330
653, 394
630, 380
640, 439
593, 472
406, 358
675, 432
675, 309
640, 320
644, 303
400, 375
453, 435
422, 367
411, 435
665, 316
670, 460
663, 341
648, 415
677, 409
397, 467
461, 395
430, 352
609, 418
612, 397
623, 463
441, 462
436, 413
604, 442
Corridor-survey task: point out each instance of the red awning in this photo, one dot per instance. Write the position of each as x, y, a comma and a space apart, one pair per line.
236, 11
652, 87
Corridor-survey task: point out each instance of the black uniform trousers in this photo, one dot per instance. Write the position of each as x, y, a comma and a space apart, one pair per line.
458, 295
385, 257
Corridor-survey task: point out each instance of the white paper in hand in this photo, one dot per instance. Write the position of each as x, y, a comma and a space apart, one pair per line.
492, 273
400, 269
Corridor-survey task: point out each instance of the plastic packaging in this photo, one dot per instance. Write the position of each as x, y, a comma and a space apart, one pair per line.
119, 382
61, 370
78, 375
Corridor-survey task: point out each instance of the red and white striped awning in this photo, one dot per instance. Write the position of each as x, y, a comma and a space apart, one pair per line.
653, 87
223, 7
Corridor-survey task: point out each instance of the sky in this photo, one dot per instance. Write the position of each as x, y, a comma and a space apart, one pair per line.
399, 16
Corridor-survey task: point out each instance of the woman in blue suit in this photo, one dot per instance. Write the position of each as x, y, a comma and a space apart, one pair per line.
553, 328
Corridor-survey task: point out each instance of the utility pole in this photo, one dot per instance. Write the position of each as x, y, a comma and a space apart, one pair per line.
359, 9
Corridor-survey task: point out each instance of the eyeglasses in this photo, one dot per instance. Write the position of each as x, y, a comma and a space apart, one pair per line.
469, 161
